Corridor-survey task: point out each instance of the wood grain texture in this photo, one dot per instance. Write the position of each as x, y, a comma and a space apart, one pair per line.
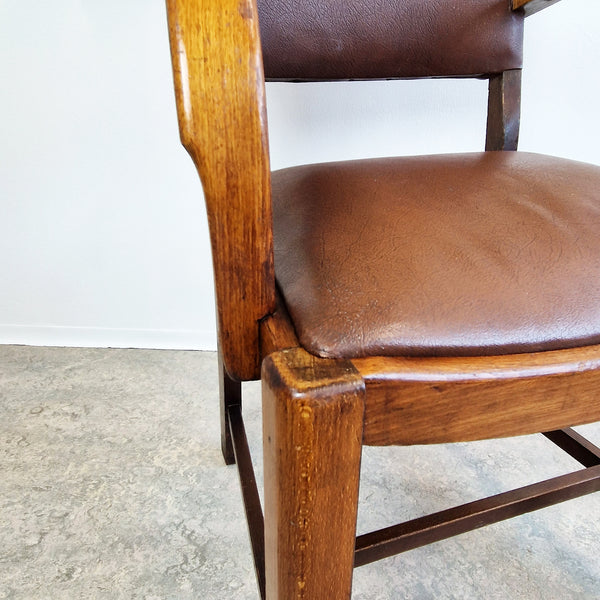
532, 6
277, 331
219, 88
504, 111
433, 400
317, 412
312, 420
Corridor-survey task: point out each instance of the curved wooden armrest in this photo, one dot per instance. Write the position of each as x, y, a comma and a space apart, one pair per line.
217, 69
532, 6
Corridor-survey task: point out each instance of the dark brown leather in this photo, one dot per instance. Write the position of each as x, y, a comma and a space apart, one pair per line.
474, 254
353, 39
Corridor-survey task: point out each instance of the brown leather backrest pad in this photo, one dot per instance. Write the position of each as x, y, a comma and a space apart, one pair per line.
354, 39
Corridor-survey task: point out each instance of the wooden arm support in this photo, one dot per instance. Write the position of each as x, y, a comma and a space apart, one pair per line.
219, 88
532, 6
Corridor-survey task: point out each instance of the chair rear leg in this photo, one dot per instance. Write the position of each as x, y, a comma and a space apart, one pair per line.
230, 394
312, 419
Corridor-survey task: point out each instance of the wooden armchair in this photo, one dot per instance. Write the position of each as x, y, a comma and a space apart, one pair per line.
387, 301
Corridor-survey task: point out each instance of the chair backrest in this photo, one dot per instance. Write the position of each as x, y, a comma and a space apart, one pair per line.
359, 39
219, 83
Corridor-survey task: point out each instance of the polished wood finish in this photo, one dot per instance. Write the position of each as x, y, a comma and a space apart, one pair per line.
431, 400
532, 6
454, 521
312, 419
277, 331
504, 111
219, 88
437, 526
441, 400
318, 412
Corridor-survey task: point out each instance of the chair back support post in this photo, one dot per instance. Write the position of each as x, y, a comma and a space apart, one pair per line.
504, 111
530, 7
219, 88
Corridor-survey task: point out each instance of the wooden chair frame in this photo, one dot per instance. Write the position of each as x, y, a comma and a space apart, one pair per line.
311, 404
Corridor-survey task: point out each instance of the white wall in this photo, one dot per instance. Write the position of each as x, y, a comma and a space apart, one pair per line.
102, 230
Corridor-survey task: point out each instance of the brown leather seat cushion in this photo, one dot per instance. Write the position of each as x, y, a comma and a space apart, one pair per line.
486, 253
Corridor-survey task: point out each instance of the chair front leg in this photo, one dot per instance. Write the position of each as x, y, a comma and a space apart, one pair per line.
312, 419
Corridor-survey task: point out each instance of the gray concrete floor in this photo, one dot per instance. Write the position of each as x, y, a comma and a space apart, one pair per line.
112, 486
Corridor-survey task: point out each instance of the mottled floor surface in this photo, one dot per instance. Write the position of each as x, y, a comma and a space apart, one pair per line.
112, 486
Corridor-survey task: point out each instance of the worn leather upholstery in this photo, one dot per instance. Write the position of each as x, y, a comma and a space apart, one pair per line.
471, 254
353, 39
